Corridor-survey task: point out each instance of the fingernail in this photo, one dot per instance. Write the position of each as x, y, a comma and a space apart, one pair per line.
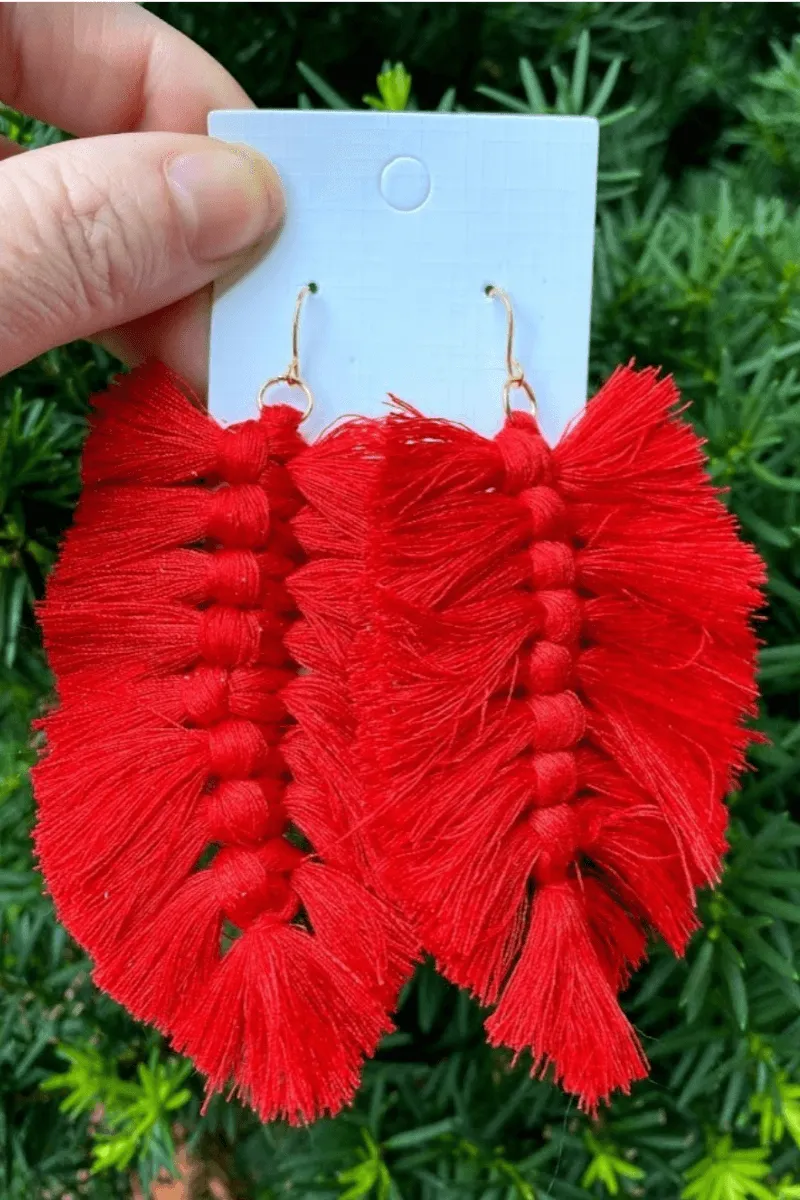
229, 197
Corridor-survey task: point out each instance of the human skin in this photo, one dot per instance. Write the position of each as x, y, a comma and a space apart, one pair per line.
118, 234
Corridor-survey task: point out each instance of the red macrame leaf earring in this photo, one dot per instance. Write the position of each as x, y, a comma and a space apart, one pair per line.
561, 663
165, 798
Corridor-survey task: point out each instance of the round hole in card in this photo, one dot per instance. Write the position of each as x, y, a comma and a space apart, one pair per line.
405, 183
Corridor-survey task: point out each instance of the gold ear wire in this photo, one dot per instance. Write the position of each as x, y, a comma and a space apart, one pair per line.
291, 376
515, 374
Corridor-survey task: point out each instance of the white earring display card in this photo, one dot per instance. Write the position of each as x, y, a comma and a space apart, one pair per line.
403, 220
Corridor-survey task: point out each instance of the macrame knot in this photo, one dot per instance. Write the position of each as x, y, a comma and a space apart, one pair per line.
248, 885
558, 721
546, 509
552, 565
550, 667
256, 693
555, 778
243, 452
234, 577
229, 637
276, 598
284, 498
524, 453
559, 615
282, 556
281, 422
245, 810
556, 834
236, 749
205, 695
239, 516
278, 854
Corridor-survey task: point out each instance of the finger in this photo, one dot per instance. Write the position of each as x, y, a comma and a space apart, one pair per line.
8, 148
108, 68
177, 335
99, 232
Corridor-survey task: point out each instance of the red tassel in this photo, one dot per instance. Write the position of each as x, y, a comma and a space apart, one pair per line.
167, 621
336, 478
297, 1022
560, 994
561, 664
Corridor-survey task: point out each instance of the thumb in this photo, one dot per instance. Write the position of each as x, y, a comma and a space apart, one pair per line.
101, 231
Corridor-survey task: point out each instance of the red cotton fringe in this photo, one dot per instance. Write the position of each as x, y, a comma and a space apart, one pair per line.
213, 885
336, 477
561, 662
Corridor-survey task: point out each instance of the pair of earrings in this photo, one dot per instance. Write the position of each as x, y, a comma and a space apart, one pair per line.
323, 705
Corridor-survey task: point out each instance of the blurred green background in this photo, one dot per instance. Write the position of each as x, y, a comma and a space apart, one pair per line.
697, 269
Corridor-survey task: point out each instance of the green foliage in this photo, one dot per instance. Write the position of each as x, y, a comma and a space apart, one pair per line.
394, 89
606, 1167
573, 96
698, 269
779, 1111
135, 1113
37, 490
369, 1176
26, 131
728, 1174
772, 128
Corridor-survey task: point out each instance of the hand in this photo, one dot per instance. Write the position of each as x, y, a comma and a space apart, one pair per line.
117, 237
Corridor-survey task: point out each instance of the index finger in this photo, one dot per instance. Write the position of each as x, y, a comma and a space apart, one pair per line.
108, 68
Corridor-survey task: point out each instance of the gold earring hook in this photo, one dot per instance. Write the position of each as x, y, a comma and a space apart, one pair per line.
291, 376
515, 377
